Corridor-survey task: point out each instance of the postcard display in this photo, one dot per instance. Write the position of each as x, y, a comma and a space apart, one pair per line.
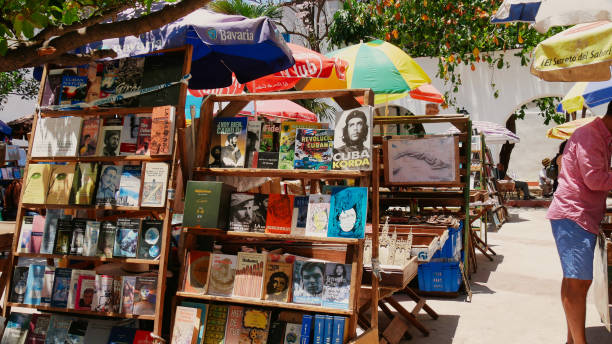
302, 248
106, 177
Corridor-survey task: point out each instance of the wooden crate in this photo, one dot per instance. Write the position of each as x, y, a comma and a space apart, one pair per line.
393, 276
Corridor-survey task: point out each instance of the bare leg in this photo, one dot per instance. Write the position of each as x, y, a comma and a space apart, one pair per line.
569, 340
574, 304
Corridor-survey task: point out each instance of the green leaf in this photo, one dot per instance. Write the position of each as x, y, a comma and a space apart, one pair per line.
39, 20
28, 29
3, 46
18, 24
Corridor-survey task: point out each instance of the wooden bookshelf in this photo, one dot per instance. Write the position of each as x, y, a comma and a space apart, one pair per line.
89, 258
264, 172
98, 112
125, 158
270, 236
82, 312
89, 207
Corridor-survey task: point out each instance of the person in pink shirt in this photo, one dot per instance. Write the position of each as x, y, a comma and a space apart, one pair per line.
576, 211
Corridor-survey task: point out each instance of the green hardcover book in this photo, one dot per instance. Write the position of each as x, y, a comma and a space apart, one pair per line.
215, 324
207, 204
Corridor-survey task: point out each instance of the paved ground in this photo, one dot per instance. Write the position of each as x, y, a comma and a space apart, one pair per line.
515, 297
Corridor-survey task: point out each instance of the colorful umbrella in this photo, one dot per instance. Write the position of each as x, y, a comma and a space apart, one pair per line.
494, 133
582, 53
283, 109
516, 11
565, 130
588, 94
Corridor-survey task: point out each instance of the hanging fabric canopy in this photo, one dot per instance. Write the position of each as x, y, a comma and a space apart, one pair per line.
494, 133
588, 94
282, 109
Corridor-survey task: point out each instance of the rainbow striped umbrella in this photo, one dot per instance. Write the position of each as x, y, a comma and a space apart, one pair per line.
590, 94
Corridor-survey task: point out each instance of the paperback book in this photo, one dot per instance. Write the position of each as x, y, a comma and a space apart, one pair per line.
207, 204
85, 292
162, 130
84, 183
76, 331
127, 294
17, 327
78, 236
25, 236
241, 212
228, 142
50, 230
270, 137
129, 186
160, 69
57, 136
292, 333
110, 137
108, 187
73, 293
61, 287
126, 238
38, 329
143, 142
353, 139
313, 149
278, 281
300, 215
215, 324
203, 317
60, 183
221, 274
337, 288
94, 76
287, 142
63, 237
234, 324
348, 212
122, 76
252, 143
19, 284
155, 184
129, 134
106, 240
196, 271
74, 89
186, 325
103, 301
260, 213
38, 227
58, 329
36, 184
145, 293
47, 287
248, 281
318, 215
149, 239
89, 137
34, 286
53, 85
90, 240
278, 217
308, 279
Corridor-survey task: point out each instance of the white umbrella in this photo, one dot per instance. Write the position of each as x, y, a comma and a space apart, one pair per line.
494, 133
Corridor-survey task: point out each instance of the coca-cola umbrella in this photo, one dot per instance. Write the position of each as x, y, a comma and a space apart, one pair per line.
279, 109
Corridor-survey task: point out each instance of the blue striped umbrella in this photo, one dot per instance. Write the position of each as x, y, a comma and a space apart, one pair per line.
517, 11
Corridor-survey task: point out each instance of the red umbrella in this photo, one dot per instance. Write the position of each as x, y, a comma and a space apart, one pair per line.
282, 108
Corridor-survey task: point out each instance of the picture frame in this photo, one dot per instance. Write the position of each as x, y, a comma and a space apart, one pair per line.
431, 160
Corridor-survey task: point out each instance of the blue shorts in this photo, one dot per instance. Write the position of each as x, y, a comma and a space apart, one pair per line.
576, 248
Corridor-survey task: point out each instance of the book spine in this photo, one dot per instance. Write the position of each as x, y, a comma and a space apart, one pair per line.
319, 329
306, 329
329, 327
338, 330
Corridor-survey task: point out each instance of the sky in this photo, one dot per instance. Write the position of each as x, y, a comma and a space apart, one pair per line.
17, 108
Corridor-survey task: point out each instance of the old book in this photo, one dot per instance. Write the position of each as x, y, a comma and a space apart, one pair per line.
260, 213
74, 89
207, 204
17, 328
252, 143
196, 271
162, 130
329, 329
215, 324
313, 149
149, 239
221, 274
280, 210
60, 183
353, 139
241, 212
348, 212
308, 278
318, 332
143, 141
38, 329
318, 215
85, 292
307, 327
339, 334
122, 334
300, 214
248, 281
277, 329
234, 324
76, 331
126, 238
34, 286
58, 329
78, 236
127, 294
117, 286
36, 236
108, 187
287, 142
73, 295
90, 239
61, 287
122, 76
84, 183
155, 184
160, 69
129, 134
203, 317
25, 235
94, 77
267, 160
106, 239
145, 294
292, 333
110, 137
53, 85
57, 136
129, 186
50, 230
255, 326
36, 184
19, 284
228, 142
278, 281
47, 287
89, 137
63, 238
337, 288
270, 137
186, 325
103, 301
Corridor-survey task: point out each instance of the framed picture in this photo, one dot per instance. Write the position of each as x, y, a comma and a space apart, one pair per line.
431, 160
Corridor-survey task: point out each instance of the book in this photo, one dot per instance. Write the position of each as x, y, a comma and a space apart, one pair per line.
60, 183
162, 130
129, 186
308, 278
47, 287
38, 329
89, 136
278, 281
122, 76
36, 235
305, 333
110, 71
313, 149
228, 142
143, 141
234, 324
85, 292
94, 78
319, 329
74, 89
337, 287
160, 69
76, 331
269, 137
280, 210
144, 337
108, 187
103, 301
338, 330
122, 335
63, 238
329, 327
241, 212
17, 328
78, 236
106, 239
275, 335
34, 286
203, 317
117, 293
300, 215
353, 139
90, 240
129, 134
36, 184
292, 333
73, 293
207, 204
145, 293
61, 287
248, 281
58, 329
57, 136
347, 212
252, 143
267, 160
53, 85
50, 230
127, 294
260, 213
25, 235
221, 274
19, 284
110, 137
196, 271
186, 325
247, 325
215, 324
149, 239
84, 183
287, 142
126, 238
154, 184
318, 215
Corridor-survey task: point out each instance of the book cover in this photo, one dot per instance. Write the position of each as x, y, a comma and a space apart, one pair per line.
319, 329
63, 238
36, 236
117, 295
241, 212
103, 300
154, 184
234, 324
278, 281
275, 335
47, 287
353, 139
57, 136
270, 137
329, 329
203, 317
318, 215
207, 204
186, 325
127, 294
313, 149
36, 184
338, 330
78, 236
106, 239
58, 329
129, 186
306, 331
143, 141
122, 335
110, 137
308, 278
94, 78
348, 212
126, 238
19, 284
300, 215
85, 292
108, 187
228, 142
221, 274
129, 134
61, 287
287, 142
73, 295
247, 325
267, 160
74, 89
25, 236
144, 337
196, 271
252, 143
89, 136
337, 288
60, 183
50, 230
84, 183
122, 76
53, 85
280, 210
34, 286
260, 213
90, 240
162, 130
215, 324
292, 333
76, 331
38, 329
160, 69
145, 292
149, 239
248, 281
17, 328
110, 72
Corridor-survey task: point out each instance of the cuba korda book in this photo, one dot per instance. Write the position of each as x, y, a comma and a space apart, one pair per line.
221, 274
196, 271
19, 284
61, 287
155, 184
241, 212
109, 138
353, 139
106, 240
278, 281
287, 142
228, 142
348, 212
126, 238
249, 274
313, 149
318, 215
129, 186
269, 144
143, 142
280, 210
300, 214
84, 183
308, 279
149, 239
337, 288
60, 183
89, 137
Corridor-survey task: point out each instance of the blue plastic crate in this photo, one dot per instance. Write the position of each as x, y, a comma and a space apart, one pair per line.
452, 245
440, 276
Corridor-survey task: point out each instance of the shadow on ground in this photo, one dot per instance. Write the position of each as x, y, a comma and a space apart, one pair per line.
598, 334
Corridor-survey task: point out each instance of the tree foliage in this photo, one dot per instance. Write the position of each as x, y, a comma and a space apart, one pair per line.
18, 83
246, 8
